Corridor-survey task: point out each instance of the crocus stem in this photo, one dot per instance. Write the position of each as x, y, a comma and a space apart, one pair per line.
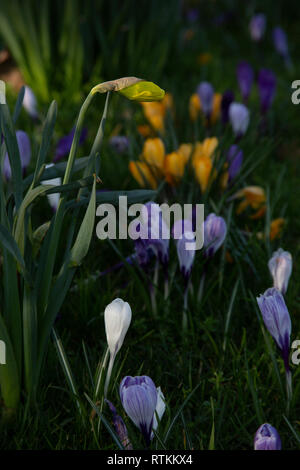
109, 371
166, 293
185, 305
289, 388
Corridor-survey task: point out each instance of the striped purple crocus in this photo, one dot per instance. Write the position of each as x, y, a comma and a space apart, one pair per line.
267, 438
245, 76
24, 151
266, 89
139, 399
215, 230
280, 42
277, 320
30, 103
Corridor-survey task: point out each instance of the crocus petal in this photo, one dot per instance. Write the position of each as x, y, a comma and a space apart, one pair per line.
267, 438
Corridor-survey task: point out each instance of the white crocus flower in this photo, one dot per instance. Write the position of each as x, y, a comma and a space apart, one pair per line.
117, 318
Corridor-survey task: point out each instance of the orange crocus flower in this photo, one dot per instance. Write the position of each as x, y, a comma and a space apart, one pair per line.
174, 167
154, 155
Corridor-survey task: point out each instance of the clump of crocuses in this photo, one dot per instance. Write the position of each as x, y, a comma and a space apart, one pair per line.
267, 438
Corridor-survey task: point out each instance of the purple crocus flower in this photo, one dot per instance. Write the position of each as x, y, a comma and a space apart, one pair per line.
280, 266
25, 154
235, 160
64, 144
277, 320
119, 143
245, 77
120, 427
205, 92
215, 230
239, 118
267, 438
266, 88
280, 42
30, 102
139, 399
257, 26
227, 99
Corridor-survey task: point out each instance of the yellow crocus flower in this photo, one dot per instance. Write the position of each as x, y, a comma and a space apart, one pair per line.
186, 151
203, 167
142, 174
276, 228
154, 155
174, 167
253, 196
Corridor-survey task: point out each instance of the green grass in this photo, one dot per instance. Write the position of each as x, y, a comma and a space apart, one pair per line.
227, 383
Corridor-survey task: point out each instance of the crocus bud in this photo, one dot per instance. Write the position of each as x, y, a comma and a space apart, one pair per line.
117, 318
227, 99
257, 26
235, 160
277, 320
215, 230
239, 118
139, 399
280, 266
119, 143
245, 76
280, 42
267, 438
120, 427
30, 102
184, 236
25, 154
205, 92
266, 89
52, 198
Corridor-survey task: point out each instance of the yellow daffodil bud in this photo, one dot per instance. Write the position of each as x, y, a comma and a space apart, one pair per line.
154, 155
203, 168
142, 174
133, 88
194, 106
174, 167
